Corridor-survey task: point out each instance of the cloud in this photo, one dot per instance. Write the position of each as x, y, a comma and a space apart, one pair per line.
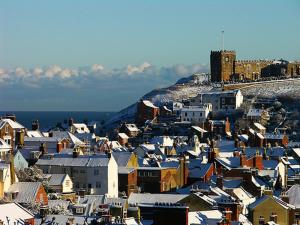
99, 87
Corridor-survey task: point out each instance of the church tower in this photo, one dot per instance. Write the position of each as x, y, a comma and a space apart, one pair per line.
222, 65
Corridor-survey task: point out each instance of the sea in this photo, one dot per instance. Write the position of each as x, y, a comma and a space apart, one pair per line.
49, 119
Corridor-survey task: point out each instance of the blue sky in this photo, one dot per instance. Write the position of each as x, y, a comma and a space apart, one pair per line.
88, 49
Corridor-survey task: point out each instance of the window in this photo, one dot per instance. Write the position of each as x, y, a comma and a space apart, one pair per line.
96, 172
64, 170
79, 210
201, 114
84, 186
185, 114
98, 184
77, 185
82, 171
89, 186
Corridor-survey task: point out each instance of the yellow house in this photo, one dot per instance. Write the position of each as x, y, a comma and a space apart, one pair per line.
271, 208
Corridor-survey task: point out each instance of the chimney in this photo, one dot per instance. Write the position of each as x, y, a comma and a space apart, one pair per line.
273, 217
261, 220
285, 198
258, 161
75, 153
19, 138
11, 116
43, 148
243, 160
71, 122
59, 147
220, 182
35, 125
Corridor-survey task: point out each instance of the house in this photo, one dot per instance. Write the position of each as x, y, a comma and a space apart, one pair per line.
222, 101
201, 172
123, 139
271, 208
130, 129
13, 213
126, 159
149, 203
218, 127
27, 193
258, 115
6, 133
19, 161
291, 196
60, 183
6, 177
146, 111
195, 114
127, 178
95, 174
276, 139
18, 130
79, 128
5, 148
162, 179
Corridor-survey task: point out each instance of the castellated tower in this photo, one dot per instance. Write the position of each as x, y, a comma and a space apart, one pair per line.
222, 65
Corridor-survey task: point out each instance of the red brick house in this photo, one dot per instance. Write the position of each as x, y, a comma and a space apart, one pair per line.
146, 111
127, 179
27, 193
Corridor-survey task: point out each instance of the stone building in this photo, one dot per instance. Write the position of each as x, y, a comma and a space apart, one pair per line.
225, 67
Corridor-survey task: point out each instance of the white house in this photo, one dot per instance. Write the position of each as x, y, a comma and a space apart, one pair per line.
61, 183
220, 100
4, 149
97, 174
195, 114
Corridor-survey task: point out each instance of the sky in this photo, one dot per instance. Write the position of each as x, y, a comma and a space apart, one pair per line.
104, 55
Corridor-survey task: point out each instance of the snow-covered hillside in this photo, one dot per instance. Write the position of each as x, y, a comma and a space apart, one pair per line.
191, 86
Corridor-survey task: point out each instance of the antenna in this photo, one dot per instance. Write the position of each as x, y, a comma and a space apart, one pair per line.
222, 40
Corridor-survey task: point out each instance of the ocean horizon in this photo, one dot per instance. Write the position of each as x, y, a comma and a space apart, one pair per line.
48, 119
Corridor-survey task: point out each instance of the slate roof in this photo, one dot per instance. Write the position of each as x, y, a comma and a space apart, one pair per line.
57, 179
200, 170
151, 199
122, 158
13, 124
294, 195
27, 191
15, 213
81, 161
270, 164
124, 170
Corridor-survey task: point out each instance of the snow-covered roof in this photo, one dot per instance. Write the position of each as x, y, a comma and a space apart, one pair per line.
259, 126
15, 213
14, 124
123, 135
151, 199
149, 104
132, 127
80, 161
27, 191
294, 195
57, 179
4, 146
34, 133
199, 129
254, 112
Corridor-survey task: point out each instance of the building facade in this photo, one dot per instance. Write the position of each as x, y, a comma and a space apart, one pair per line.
225, 67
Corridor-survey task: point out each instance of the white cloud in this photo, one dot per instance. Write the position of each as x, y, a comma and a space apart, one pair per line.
137, 69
